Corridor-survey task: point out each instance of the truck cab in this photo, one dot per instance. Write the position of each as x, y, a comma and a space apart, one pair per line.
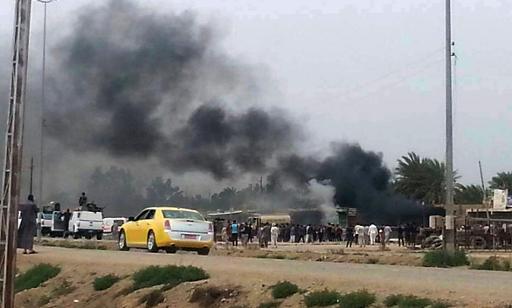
86, 224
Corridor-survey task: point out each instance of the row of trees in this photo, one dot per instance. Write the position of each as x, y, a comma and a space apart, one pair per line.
121, 193
422, 179
419, 179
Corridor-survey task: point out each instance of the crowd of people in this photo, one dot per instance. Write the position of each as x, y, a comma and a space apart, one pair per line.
271, 234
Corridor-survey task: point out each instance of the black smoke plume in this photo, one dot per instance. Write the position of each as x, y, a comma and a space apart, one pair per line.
134, 84
360, 178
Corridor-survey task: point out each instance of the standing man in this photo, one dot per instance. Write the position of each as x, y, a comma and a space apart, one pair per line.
387, 234
366, 235
372, 232
82, 201
361, 237
274, 234
292, 234
349, 235
27, 226
309, 233
266, 233
400, 236
66, 218
234, 233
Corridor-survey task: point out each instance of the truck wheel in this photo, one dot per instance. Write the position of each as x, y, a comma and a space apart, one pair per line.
76, 235
203, 251
478, 242
151, 243
99, 236
122, 241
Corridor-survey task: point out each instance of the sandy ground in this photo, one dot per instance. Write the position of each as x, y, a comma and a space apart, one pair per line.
252, 276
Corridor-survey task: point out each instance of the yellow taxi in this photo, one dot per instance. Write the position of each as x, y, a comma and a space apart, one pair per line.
168, 228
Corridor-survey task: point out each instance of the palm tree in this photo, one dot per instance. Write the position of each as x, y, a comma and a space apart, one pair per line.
503, 180
420, 178
469, 194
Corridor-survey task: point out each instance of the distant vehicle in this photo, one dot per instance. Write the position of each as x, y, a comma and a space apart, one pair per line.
167, 228
52, 224
87, 224
46, 222
111, 222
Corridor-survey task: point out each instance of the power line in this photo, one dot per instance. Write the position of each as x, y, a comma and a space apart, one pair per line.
429, 55
395, 83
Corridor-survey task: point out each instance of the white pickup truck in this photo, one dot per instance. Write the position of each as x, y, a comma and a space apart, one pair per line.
87, 224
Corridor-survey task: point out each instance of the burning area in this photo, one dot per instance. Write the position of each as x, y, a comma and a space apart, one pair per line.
135, 85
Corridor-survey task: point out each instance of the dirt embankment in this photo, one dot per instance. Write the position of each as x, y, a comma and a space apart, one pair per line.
244, 282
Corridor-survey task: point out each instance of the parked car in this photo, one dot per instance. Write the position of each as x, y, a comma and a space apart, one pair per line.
110, 223
87, 224
167, 228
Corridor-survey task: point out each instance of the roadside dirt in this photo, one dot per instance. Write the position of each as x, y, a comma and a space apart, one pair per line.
247, 280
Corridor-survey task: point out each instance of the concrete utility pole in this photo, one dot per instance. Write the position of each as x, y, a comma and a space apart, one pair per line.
13, 152
450, 233
40, 197
30, 190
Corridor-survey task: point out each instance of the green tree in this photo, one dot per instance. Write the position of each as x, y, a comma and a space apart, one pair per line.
115, 189
420, 178
503, 180
161, 192
469, 194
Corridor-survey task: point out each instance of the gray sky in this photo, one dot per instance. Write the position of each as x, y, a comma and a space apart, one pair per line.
361, 70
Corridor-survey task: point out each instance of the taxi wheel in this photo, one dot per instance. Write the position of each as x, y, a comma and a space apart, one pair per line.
151, 244
122, 241
171, 249
203, 251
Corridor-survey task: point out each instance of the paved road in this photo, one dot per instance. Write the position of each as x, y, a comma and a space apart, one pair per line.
478, 288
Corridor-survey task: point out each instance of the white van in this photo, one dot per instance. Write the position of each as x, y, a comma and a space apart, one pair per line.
87, 224
110, 222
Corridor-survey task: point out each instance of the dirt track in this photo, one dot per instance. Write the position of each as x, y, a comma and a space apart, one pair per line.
462, 286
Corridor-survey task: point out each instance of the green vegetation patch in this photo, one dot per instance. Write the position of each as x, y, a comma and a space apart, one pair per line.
411, 301
321, 298
493, 264
441, 258
284, 289
105, 282
162, 275
357, 299
35, 276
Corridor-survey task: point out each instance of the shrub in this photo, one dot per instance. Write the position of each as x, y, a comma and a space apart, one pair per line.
269, 305
156, 275
392, 300
152, 299
411, 301
440, 304
105, 282
35, 276
441, 258
321, 298
493, 264
284, 289
358, 299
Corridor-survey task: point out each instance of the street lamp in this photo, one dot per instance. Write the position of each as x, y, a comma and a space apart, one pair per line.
43, 102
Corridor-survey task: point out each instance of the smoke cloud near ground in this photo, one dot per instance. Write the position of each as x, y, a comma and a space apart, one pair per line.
134, 86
